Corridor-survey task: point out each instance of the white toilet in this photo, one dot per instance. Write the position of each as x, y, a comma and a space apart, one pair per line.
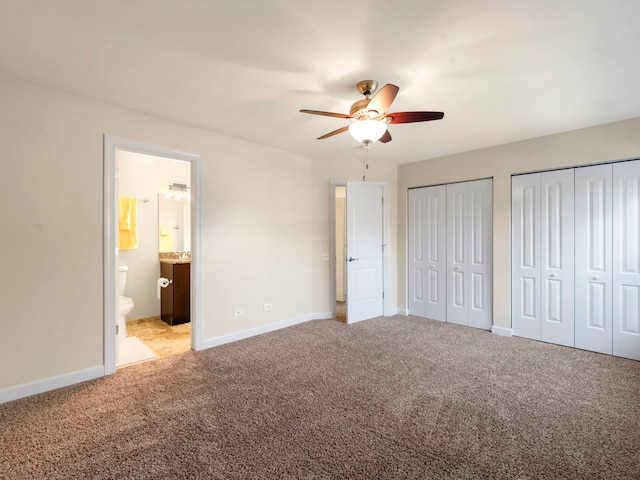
125, 304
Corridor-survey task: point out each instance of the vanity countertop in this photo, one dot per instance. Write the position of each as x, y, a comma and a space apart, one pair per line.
175, 257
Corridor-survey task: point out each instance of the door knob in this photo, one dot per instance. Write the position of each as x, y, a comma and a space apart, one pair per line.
351, 259
595, 277
552, 275
432, 267
457, 268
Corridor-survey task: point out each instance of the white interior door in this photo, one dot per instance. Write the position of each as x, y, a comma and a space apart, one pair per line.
626, 259
525, 256
427, 252
364, 251
593, 254
557, 256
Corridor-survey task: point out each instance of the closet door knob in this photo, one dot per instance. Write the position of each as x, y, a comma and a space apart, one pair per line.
552, 275
595, 277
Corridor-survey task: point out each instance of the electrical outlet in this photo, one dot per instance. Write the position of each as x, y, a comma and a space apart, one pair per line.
325, 256
268, 306
238, 311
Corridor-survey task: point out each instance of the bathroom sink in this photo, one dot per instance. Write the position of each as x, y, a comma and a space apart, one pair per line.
175, 257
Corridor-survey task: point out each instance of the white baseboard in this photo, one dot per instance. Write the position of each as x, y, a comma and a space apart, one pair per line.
52, 383
505, 332
251, 332
322, 316
403, 311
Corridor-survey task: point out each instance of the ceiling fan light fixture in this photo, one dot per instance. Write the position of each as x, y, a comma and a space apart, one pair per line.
367, 130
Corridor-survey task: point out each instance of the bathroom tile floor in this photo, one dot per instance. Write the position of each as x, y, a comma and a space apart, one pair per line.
163, 339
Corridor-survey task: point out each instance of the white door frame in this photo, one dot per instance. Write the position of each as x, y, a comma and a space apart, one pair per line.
111, 145
332, 244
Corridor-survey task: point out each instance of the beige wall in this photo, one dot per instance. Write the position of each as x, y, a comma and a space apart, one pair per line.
265, 217
265, 223
604, 143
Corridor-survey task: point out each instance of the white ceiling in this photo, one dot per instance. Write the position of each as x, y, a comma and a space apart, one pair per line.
501, 70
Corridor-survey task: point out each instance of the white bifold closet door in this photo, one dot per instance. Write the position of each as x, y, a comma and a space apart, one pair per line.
593, 258
450, 252
576, 235
626, 259
427, 252
469, 253
542, 256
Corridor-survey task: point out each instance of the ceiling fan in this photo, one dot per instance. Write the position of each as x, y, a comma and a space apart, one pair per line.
368, 116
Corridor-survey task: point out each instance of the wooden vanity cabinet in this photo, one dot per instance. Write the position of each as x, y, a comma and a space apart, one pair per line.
175, 300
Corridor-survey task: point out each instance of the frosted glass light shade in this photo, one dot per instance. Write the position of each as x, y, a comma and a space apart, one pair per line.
367, 130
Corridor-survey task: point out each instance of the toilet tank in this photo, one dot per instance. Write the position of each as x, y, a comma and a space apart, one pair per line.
122, 279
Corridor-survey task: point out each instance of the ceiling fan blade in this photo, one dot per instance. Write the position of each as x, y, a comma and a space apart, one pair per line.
326, 114
385, 138
383, 99
411, 117
335, 132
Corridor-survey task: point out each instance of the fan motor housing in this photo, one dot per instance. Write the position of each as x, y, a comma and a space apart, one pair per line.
359, 108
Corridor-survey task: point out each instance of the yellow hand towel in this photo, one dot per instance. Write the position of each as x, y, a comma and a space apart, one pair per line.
124, 219
128, 223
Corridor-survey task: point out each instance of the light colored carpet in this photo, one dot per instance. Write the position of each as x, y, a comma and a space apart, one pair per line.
388, 398
132, 350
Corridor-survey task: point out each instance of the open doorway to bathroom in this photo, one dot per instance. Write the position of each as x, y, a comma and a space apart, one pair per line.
153, 267
152, 226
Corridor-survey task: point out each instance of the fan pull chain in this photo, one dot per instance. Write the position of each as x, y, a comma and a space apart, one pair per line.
365, 162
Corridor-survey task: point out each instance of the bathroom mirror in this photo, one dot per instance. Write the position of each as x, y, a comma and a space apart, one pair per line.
174, 225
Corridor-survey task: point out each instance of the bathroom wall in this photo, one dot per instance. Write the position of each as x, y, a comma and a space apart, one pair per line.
145, 176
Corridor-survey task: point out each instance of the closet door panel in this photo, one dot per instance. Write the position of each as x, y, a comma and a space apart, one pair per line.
593, 258
525, 251
457, 254
427, 252
480, 201
557, 255
417, 278
626, 259
436, 252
